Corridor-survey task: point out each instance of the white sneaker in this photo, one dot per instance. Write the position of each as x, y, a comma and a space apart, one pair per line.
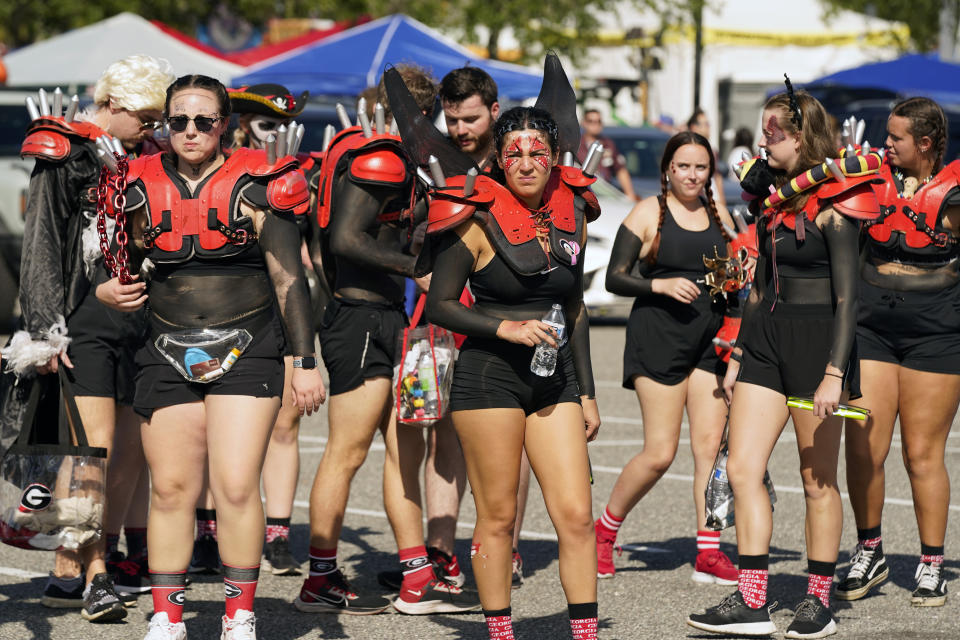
162, 629
243, 626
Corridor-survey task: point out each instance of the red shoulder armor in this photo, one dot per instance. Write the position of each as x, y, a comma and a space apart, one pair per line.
858, 202
49, 137
378, 165
306, 161
255, 162
575, 177
289, 192
449, 207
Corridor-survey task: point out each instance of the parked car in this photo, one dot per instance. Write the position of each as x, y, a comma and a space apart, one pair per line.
641, 148
14, 182
614, 207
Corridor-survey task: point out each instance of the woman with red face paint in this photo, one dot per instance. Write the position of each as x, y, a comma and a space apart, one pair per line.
520, 244
909, 338
797, 339
669, 358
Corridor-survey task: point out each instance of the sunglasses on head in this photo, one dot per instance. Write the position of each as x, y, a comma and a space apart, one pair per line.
204, 124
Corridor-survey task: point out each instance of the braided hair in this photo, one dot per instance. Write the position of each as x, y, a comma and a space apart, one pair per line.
674, 143
926, 119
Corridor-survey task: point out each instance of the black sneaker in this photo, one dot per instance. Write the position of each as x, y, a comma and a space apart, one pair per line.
63, 593
100, 601
811, 620
206, 556
516, 580
128, 577
278, 559
437, 596
336, 596
733, 617
931, 588
868, 568
390, 580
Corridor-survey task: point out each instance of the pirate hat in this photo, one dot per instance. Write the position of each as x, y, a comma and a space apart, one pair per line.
272, 100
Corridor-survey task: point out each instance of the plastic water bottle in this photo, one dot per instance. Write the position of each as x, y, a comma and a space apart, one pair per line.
544, 356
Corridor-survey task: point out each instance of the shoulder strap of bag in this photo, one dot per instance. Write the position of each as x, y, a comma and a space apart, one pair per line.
418, 310
69, 401
30, 414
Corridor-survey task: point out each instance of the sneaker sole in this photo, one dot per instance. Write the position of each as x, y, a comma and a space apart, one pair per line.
828, 630
856, 594
281, 571
938, 601
107, 615
61, 603
322, 607
431, 606
131, 590
708, 578
606, 576
753, 629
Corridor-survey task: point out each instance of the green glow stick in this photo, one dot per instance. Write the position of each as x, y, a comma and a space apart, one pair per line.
844, 410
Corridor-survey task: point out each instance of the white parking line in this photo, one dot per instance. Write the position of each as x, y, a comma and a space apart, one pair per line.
20, 573
781, 488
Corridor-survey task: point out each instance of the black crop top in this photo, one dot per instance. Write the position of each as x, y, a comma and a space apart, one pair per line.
681, 250
497, 283
796, 259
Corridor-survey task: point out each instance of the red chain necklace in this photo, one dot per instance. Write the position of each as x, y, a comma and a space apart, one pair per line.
119, 266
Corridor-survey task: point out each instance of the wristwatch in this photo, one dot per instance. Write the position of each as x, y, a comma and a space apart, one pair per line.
307, 362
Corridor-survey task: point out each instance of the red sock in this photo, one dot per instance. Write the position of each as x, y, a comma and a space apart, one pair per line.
583, 620
753, 587
323, 562
708, 541
168, 593
416, 567
499, 624
278, 528
239, 587
608, 524
820, 586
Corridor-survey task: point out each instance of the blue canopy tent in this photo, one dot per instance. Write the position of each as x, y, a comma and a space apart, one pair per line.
349, 62
910, 75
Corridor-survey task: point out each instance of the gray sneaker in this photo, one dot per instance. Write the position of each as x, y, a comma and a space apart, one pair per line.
100, 602
63, 593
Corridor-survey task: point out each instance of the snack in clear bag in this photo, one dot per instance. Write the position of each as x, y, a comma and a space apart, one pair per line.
203, 355
425, 374
719, 495
51, 491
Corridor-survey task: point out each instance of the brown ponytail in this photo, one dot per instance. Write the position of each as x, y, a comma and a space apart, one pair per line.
712, 207
655, 245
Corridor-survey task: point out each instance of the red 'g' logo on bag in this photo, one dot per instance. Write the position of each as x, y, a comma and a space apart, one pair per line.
35, 497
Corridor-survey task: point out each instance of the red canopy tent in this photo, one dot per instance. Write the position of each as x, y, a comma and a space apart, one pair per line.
247, 57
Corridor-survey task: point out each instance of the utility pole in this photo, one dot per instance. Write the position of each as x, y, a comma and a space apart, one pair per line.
697, 7
948, 31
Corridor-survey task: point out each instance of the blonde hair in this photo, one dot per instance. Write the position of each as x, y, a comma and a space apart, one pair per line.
135, 83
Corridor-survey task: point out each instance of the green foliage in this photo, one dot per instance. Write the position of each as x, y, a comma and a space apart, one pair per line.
922, 16
566, 26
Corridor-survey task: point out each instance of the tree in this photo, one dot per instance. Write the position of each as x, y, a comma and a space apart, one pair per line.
921, 16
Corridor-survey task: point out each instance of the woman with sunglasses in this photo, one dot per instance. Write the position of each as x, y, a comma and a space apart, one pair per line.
224, 248
797, 339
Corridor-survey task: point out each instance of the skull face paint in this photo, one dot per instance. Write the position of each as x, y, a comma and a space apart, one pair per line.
263, 126
776, 133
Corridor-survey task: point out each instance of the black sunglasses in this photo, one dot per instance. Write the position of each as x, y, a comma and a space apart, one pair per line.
204, 124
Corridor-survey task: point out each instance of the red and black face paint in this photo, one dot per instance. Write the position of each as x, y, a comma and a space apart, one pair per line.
526, 145
776, 133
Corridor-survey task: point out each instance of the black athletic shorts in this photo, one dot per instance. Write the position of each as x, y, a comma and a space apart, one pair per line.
667, 339
787, 350
104, 343
359, 341
495, 374
915, 329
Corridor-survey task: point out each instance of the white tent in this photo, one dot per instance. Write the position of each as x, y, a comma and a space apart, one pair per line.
81, 55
